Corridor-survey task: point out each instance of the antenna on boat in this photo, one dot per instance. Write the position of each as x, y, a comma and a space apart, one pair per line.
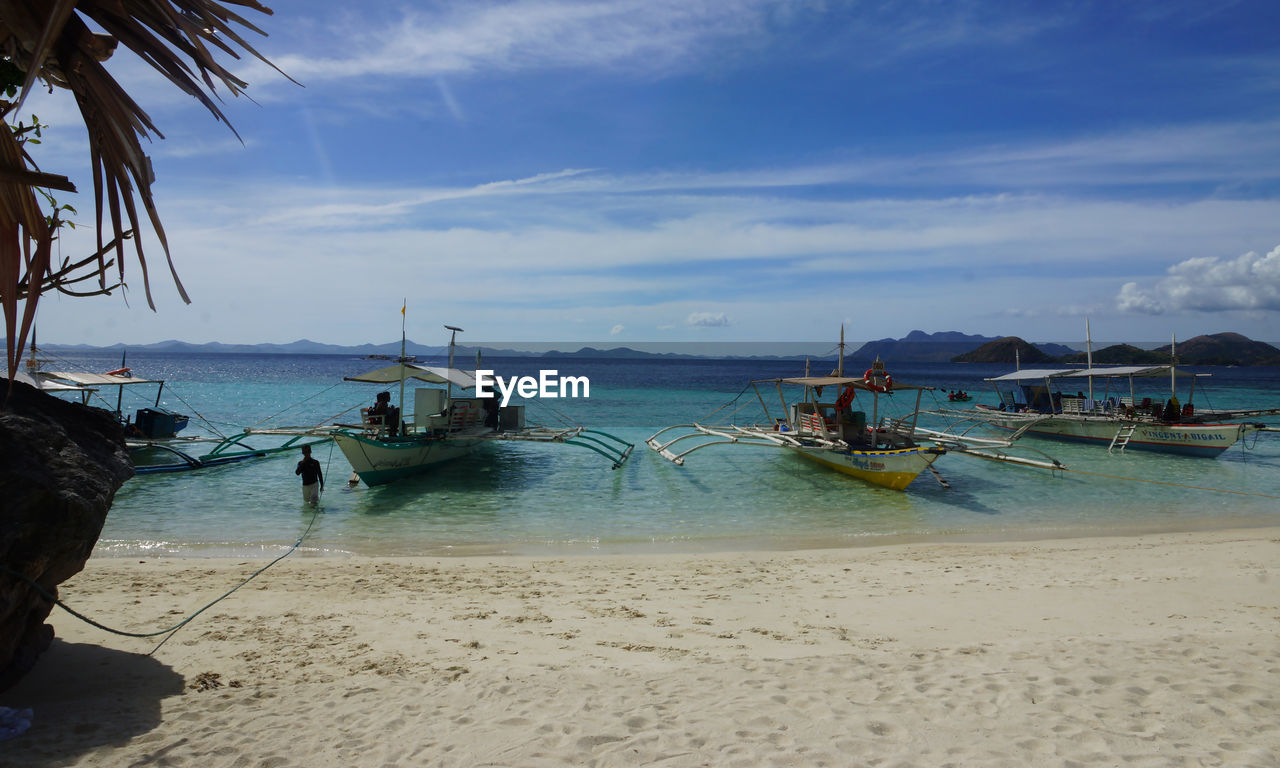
452, 338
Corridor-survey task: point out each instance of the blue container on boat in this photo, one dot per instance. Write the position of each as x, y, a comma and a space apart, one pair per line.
159, 422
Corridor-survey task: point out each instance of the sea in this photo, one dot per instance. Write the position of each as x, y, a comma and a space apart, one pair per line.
557, 500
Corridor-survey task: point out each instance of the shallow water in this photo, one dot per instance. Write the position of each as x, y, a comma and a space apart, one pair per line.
556, 499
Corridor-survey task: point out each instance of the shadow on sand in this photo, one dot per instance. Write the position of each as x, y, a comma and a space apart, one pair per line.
85, 697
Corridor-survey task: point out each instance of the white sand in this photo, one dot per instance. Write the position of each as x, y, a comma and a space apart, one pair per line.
1151, 651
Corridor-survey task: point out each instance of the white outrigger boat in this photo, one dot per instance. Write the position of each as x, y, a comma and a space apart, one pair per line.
1065, 404
388, 445
1041, 403
152, 433
885, 450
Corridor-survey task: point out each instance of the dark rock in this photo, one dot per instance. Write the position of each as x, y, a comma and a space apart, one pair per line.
60, 466
1224, 349
1006, 350
920, 347
1119, 354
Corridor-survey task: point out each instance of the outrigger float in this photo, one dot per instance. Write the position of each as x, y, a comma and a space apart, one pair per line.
885, 450
386, 446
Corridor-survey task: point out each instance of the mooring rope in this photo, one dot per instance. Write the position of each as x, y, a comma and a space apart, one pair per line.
170, 631
726, 405
199, 415
300, 402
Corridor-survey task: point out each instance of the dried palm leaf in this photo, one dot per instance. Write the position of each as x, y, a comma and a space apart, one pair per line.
52, 41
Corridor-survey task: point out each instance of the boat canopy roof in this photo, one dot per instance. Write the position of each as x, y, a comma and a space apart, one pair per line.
47, 384
1086, 373
405, 371
97, 379
1034, 373
1129, 370
835, 381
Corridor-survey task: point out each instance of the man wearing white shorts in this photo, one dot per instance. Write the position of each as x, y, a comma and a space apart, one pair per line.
312, 477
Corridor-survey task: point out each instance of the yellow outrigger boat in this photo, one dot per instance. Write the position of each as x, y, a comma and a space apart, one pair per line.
825, 425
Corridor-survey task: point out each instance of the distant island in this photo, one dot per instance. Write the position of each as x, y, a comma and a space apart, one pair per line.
1210, 349
941, 347
916, 347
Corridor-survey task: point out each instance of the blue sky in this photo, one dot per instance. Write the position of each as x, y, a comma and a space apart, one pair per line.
736, 170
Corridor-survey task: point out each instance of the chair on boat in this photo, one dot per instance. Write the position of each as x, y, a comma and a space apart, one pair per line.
813, 422
463, 415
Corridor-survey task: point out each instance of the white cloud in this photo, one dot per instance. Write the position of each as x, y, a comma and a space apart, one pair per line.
708, 319
1210, 284
615, 330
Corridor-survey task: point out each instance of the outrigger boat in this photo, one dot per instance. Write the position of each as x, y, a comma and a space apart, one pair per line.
884, 450
1038, 403
388, 445
1042, 403
151, 433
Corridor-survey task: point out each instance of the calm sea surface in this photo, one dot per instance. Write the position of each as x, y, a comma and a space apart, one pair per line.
555, 499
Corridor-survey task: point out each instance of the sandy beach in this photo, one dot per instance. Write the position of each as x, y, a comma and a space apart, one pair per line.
1160, 650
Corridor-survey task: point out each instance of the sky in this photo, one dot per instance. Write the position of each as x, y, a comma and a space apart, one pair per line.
708, 170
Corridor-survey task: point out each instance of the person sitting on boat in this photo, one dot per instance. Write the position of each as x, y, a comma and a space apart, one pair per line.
376, 414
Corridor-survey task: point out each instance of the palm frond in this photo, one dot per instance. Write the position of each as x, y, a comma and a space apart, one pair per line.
51, 40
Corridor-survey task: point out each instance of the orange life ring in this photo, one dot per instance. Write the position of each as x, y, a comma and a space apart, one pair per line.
875, 382
119, 372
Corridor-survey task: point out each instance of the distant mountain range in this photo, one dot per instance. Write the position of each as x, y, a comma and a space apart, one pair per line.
1210, 349
941, 347
915, 347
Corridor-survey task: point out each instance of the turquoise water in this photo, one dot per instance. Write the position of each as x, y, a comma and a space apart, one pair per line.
555, 499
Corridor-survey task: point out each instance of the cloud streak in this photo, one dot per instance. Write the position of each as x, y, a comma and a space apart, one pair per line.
648, 38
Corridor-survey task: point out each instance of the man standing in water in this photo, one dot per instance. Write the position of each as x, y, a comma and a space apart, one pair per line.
312, 477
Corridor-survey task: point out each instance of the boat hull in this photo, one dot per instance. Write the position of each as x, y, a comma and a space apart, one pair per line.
889, 469
378, 462
1205, 440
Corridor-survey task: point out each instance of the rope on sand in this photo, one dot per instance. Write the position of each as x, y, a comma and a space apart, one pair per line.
171, 630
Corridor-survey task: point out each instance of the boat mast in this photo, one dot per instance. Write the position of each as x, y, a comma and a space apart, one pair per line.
403, 359
452, 338
840, 365
1173, 361
124, 353
1088, 351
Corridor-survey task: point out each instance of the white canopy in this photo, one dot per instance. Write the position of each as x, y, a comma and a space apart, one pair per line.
1085, 373
856, 382
1127, 370
97, 379
45, 384
393, 374
1035, 373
